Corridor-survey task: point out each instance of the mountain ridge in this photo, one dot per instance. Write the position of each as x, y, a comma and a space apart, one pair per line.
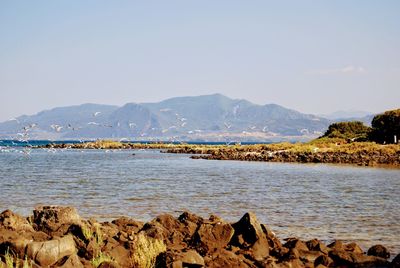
205, 117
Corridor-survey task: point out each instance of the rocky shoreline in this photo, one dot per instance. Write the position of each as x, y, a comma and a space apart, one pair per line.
359, 158
58, 237
333, 152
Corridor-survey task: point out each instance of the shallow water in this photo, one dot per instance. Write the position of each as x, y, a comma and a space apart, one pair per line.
308, 201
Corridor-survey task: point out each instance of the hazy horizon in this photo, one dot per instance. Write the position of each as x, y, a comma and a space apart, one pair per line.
120, 105
313, 57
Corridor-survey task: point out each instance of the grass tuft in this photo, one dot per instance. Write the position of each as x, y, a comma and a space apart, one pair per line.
101, 258
146, 250
9, 259
87, 232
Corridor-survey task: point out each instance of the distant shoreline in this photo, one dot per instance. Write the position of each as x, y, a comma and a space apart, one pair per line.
333, 151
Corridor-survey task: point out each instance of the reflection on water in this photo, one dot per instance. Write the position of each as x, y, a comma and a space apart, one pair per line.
309, 201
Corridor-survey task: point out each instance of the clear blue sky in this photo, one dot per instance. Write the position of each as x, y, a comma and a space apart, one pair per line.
312, 56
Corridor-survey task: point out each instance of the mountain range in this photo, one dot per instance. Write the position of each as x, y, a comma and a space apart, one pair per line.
204, 118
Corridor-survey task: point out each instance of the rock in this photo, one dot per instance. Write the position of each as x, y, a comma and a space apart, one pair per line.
51, 218
347, 258
310, 256
249, 235
337, 244
109, 265
353, 247
296, 243
189, 217
155, 231
225, 258
379, 251
189, 258
70, 262
317, 245
128, 225
121, 255
209, 237
395, 262
293, 263
273, 241
323, 260
49, 252
15, 222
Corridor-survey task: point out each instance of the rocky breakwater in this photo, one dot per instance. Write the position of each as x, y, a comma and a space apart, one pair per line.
58, 237
361, 158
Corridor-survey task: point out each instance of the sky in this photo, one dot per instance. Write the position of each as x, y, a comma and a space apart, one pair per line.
312, 56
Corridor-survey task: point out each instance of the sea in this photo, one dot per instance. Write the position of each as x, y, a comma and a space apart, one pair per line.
324, 201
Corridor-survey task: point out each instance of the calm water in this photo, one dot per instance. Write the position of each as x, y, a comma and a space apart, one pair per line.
322, 201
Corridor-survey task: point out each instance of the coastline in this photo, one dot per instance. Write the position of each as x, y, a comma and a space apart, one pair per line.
334, 151
59, 237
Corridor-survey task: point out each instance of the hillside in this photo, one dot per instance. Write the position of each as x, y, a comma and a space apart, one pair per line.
208, 117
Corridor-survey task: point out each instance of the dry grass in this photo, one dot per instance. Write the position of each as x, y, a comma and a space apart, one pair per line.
146, 250
101, 258
98, 236
87, 232
27, 263
9, 259
12, 262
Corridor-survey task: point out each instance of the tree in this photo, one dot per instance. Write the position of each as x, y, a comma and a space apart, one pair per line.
385, 126
354, 130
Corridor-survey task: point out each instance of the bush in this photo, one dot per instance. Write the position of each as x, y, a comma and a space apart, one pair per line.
385, 126
355, 130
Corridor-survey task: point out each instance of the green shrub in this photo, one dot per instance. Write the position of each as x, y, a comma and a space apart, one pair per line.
385, 126
354, 130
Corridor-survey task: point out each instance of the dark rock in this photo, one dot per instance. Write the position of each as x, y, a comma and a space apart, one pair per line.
273, 241
249, 235
347, 258
379, 251
296, 243
316, 245
155, 231
323, 260
395, 262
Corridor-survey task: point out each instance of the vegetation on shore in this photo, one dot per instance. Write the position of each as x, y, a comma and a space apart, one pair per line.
343, 142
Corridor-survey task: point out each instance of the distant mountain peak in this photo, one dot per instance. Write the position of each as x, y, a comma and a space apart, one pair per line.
214, 116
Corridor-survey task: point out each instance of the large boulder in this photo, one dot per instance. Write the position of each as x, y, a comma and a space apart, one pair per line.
50, 252
212, 236
250, 236
379, 251
12, 221
51, 218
